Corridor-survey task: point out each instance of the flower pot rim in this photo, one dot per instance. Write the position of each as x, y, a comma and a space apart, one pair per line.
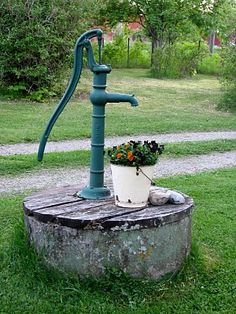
132, 166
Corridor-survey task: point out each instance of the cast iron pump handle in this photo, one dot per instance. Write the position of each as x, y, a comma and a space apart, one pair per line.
82, 42
99, 98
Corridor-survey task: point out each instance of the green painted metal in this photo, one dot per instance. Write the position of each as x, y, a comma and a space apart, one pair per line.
77, 69
99, 98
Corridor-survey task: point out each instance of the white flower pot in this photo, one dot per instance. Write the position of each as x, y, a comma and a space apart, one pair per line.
131, 187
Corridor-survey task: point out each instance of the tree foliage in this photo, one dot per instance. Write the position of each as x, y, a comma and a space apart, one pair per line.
36, 41
228, 23
165, 21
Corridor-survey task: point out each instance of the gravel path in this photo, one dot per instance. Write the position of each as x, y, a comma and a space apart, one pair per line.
165, 167
30, 148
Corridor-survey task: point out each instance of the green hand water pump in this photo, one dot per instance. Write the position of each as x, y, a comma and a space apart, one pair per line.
99, 98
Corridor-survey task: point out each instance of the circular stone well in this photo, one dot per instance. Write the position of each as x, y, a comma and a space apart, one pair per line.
88, 237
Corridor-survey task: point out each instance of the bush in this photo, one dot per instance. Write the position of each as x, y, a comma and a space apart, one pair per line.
177, 61
116, 53
140, 55
228, 80
210, 64
36, 42
228, 100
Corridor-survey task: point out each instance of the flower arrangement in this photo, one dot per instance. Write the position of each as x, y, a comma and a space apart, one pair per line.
135, 154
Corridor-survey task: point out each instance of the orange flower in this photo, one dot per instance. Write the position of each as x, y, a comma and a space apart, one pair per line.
118, 155
130, 156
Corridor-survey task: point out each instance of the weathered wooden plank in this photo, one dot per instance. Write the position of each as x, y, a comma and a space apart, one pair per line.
151, 216
80, 214
158, 211
78, 209
94, 216
54, 191
51, 197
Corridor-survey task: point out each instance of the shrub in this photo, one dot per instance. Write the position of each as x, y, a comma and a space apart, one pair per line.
36, 42
140, 55
228, 80
177, 60
116, 53
210, 64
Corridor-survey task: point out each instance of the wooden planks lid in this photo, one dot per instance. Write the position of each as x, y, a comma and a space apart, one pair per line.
62, 206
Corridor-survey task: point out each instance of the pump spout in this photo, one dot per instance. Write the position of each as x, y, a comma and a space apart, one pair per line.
114, 97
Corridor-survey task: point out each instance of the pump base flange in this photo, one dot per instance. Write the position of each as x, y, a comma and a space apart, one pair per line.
92, 193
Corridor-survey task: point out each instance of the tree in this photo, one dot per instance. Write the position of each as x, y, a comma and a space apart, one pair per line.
37, 37
164, 21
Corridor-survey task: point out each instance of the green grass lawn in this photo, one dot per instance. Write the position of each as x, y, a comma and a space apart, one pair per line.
165, 106
18, 164
205, 284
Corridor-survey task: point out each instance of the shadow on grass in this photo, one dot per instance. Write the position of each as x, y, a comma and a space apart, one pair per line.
117, 287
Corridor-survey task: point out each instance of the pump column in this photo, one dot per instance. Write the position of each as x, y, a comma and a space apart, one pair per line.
97, 147
96, 188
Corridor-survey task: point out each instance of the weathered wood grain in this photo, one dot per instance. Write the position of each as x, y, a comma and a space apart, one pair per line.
62, 206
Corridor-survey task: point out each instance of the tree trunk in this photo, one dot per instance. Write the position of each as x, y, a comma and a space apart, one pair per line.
154, 47
212, 42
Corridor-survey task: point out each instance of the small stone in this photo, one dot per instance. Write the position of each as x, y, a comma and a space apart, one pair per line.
159, 196
176, 198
